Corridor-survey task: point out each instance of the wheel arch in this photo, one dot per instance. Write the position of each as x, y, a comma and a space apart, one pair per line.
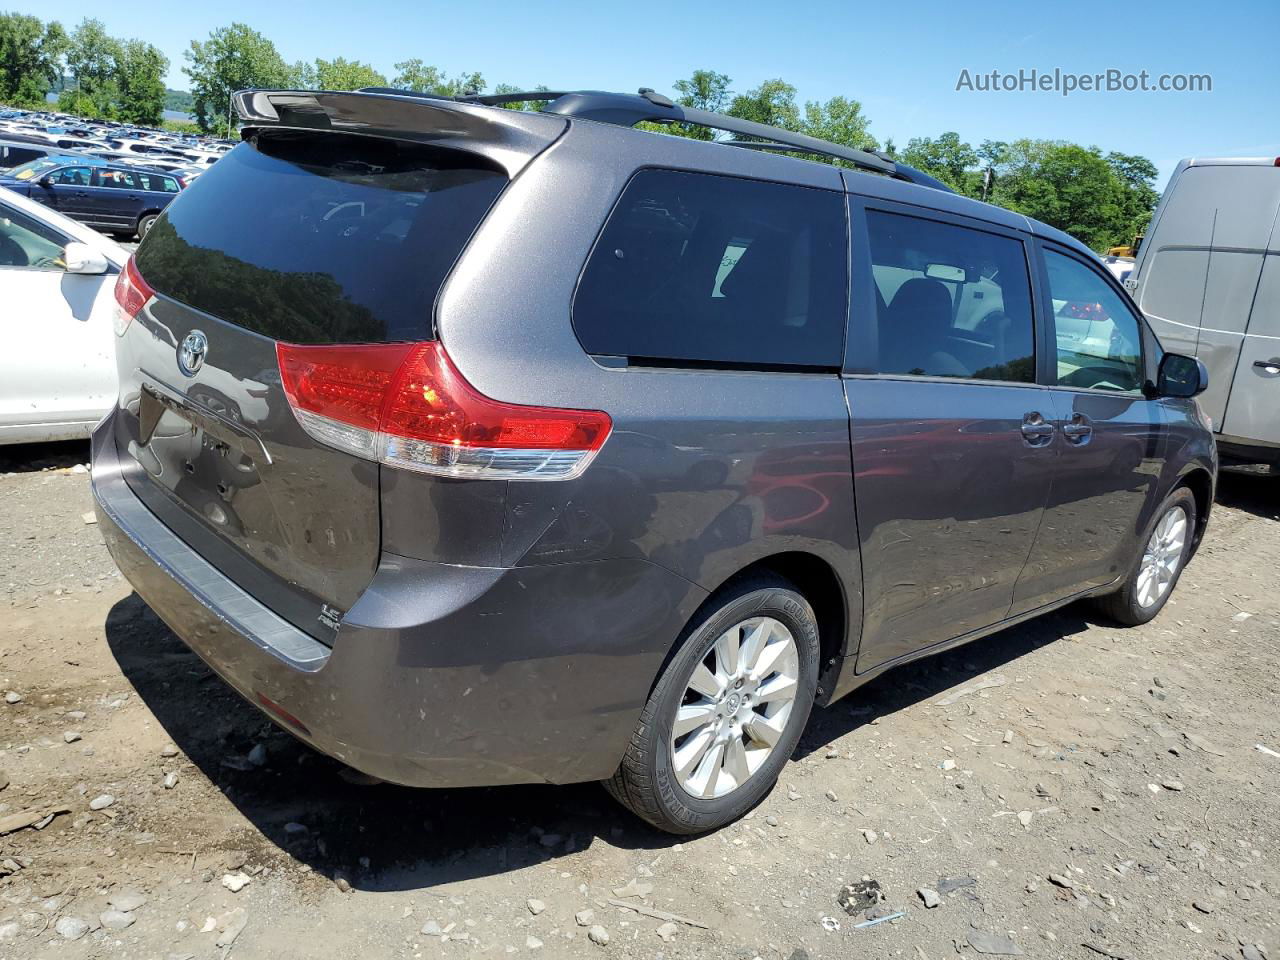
1200, 483
816, 579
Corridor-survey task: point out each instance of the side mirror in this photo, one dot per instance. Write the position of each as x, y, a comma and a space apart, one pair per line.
82, 258
45, 181
1181, 376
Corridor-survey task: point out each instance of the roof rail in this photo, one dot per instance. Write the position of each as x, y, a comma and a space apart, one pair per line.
900, 170
629, 109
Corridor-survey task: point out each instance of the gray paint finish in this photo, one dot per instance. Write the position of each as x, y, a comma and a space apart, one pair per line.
468, 602
949, 496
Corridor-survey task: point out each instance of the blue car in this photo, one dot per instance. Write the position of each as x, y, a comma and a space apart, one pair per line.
112, 197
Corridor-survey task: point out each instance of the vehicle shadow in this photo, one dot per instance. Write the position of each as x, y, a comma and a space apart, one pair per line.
379, 836
924, 679
1253, 491
31, 457
386, 837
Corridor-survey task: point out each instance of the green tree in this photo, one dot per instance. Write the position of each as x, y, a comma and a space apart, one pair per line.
78, 103
30, 52
425, 78
530, 105
1138, 174
704, 90
839, 120
139, 77
93, 58
772, 103
341, 74
947, 157
233, 58
1067, 186
991, 152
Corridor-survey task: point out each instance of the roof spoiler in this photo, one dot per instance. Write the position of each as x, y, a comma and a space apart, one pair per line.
510, 138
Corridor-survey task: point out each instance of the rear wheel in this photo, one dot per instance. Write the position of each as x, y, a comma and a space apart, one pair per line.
726, 712
1150, 583
145, 223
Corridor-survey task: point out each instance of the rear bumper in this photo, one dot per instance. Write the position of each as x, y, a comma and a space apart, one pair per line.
440, 675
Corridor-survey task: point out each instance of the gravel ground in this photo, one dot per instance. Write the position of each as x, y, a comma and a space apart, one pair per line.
1064, 789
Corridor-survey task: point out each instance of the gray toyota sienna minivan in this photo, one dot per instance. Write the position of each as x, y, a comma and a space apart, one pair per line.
487, 446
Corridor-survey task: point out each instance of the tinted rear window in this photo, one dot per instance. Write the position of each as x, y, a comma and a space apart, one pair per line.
320, 238
950, 301
704, 269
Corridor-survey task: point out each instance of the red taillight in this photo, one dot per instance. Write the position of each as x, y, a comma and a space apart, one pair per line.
132, 294
406, 405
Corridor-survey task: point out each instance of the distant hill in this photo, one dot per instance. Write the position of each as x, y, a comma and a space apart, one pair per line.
179, 101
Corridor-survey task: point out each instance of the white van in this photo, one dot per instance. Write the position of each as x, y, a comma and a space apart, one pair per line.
1208, 278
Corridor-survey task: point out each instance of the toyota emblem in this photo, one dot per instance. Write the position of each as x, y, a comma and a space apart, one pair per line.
192, 351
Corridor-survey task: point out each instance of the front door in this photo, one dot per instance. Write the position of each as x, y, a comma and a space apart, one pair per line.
69, 192
1110, 435
952, 438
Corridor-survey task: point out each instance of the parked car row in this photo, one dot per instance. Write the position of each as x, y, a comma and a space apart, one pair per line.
70, 132
108, 175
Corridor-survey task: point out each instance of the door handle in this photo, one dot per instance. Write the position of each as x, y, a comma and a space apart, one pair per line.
1036, 430
1271, 366
1078, 430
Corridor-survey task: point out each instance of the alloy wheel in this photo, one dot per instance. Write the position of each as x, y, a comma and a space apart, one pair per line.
1161, 558
735, 707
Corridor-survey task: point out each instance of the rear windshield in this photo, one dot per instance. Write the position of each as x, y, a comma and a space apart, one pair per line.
320, 238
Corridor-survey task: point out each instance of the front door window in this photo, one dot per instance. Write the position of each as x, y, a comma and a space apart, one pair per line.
1099, 347
25, 242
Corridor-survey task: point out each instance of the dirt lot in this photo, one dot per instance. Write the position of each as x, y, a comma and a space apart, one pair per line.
1103, 794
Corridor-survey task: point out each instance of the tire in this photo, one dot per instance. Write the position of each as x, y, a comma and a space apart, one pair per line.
145, 223
1126, 606
647, 781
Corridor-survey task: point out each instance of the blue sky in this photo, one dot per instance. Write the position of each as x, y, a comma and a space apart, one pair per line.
901, 60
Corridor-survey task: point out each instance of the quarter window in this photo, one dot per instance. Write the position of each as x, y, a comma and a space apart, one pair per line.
704, 269
1097, 337
950, 301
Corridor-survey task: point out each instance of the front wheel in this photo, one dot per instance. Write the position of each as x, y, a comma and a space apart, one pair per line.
1168, 541
726, 712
